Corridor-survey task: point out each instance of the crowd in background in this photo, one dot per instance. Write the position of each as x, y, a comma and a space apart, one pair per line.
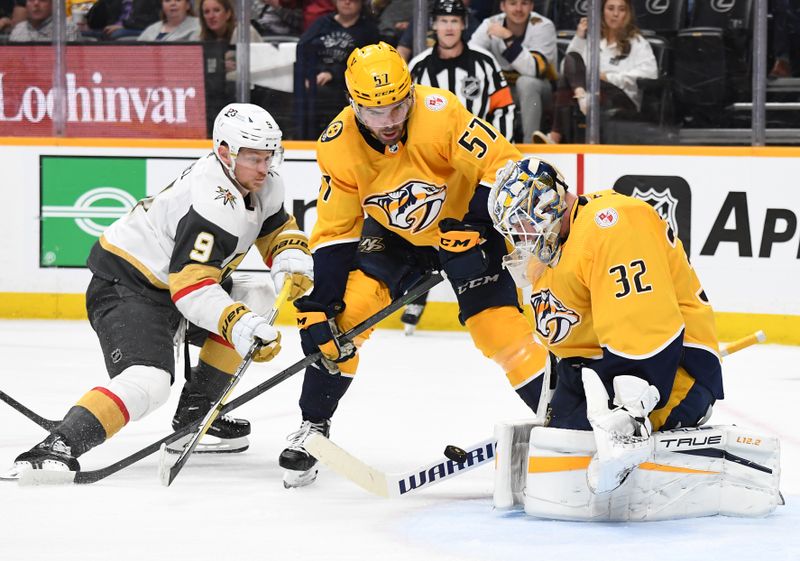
546, 78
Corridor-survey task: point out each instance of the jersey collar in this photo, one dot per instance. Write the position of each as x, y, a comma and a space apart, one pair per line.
379, 146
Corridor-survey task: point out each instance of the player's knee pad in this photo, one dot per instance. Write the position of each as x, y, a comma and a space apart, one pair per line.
505, 336
256, 291
142, 389
692, 472
219, 354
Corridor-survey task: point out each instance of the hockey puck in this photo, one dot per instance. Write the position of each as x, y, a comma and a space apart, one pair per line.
458, 455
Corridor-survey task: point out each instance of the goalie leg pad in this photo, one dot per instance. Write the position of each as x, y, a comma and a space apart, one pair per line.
693, 472
511, 462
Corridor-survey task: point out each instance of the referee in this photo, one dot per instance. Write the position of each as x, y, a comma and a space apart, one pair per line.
471, 73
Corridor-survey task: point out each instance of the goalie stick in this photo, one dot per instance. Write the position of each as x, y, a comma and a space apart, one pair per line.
393, 485
167, 473
34, 477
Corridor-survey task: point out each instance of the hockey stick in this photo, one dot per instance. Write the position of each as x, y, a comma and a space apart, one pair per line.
167, 473
391, 485
92, 476
46, 424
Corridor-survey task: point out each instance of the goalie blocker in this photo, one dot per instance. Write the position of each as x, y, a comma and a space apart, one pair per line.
693, 472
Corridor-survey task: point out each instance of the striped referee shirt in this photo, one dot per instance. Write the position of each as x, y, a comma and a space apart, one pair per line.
475, 77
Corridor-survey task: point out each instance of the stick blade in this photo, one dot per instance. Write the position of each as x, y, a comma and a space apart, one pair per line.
346, 465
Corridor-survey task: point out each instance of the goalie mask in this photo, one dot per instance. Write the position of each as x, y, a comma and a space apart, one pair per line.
244, 125
527, 203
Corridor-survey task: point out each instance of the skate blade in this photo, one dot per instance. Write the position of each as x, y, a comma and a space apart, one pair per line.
294, 479
164, 465
211, 445
34, 477
409, 329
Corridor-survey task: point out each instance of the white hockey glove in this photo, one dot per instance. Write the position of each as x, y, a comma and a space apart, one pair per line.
624, 434
240, 327
298, 266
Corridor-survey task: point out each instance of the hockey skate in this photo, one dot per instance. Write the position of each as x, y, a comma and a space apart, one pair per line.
226, 435
52, 454
301, 467
410, 317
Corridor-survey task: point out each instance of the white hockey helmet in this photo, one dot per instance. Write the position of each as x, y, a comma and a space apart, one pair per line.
527, 203
244, 125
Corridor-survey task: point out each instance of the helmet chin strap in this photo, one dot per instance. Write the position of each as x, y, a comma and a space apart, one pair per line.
230, 170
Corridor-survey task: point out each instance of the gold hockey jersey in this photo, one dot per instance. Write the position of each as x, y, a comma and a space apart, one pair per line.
624, 287
408, 187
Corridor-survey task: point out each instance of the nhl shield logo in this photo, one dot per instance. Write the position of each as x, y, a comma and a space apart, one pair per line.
471, 88
554, 321
665, 204
413, 206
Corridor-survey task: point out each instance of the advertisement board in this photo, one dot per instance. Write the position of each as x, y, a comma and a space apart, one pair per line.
123, 91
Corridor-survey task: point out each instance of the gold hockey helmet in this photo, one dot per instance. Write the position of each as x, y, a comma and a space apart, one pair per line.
377, 76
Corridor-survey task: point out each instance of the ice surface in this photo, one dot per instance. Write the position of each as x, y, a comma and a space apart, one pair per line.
412, 396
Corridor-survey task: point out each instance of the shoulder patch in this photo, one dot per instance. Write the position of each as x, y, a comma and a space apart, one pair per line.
333, 130
606, 218
226, 196
435, 102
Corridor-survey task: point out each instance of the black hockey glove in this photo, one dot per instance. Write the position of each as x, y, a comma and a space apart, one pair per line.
460, 252
318, 331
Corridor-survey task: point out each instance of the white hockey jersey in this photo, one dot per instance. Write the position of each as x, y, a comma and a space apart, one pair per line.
181, 244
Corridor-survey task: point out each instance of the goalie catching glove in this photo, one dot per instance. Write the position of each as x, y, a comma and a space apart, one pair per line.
240, 327
319, 332
460, 252
291, 259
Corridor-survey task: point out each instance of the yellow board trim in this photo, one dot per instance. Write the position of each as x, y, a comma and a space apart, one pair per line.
438, 316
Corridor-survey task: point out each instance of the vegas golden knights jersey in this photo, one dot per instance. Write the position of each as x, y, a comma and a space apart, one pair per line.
625, 292
408, 187
181, 244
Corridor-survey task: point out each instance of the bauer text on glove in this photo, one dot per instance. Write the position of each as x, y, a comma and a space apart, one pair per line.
241, 327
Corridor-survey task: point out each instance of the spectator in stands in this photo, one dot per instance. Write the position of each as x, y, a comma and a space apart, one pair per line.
118, 19
524, 43
786, 38
11, 13
406, 43
218, 23
38, 24
625, 56
178, 23
321, 56
393, 17
315, 9
279, 17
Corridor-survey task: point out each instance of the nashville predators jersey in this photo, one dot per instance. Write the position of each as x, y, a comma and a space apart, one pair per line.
430, 174
624, 292
179, 245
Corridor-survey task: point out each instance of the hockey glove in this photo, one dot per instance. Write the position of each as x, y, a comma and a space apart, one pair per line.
460, 252
241, 327
318, 331
290, 256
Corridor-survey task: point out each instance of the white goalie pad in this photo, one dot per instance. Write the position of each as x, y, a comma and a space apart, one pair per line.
693, 472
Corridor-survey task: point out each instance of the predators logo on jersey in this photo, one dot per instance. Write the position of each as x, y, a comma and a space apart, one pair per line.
554, 320
413, 206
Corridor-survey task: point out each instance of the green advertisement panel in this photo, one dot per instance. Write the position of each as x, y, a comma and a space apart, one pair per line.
80, 198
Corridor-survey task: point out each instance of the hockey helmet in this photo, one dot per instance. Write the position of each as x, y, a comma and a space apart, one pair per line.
527, 203
244, 125
449, 8
376, 76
